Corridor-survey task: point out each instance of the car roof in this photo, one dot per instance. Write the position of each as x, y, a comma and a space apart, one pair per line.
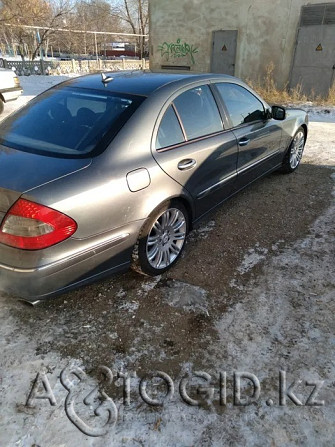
138, 82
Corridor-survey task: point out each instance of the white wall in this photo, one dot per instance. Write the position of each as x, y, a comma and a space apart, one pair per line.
266, 32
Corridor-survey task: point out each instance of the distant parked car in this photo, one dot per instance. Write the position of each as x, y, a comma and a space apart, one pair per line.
10, 87
104, 171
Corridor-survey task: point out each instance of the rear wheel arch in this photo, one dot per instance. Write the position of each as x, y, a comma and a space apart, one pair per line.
176, 199
140, 261
186, 203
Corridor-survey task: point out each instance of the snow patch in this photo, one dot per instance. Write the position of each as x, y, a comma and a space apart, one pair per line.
203, 231
150, 284
32, 85
189, 297
252, 258
318, 114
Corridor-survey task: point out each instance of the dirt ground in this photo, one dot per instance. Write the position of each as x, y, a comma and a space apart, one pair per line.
253, 293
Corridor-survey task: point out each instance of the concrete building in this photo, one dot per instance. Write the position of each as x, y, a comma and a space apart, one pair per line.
242, 37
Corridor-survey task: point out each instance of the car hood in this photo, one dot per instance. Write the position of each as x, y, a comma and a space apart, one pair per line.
21, 172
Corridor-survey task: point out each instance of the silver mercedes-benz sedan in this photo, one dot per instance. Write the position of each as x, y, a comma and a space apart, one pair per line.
106, 171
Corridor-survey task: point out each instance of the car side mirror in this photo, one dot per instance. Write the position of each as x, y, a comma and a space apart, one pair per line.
278, 113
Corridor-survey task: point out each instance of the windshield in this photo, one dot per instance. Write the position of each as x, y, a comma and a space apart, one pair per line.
69, 122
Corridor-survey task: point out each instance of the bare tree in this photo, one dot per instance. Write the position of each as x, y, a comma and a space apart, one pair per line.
135, 14
18, 14
115, 16
93, 15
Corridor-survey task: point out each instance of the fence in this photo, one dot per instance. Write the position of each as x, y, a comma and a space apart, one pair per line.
53, 67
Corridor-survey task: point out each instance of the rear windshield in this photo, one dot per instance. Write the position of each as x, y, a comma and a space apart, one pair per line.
68, 122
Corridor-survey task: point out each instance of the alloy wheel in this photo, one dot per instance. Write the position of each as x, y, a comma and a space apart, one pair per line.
297, 149
166, 238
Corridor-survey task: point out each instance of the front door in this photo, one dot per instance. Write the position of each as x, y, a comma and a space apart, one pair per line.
224, 52
259, 139
259, 150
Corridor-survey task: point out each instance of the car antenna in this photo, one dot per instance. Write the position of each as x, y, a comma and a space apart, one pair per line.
106, 79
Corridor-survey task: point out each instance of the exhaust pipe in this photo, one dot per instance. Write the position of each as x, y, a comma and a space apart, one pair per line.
32, 303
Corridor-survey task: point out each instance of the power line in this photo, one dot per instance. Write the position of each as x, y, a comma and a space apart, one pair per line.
75, 30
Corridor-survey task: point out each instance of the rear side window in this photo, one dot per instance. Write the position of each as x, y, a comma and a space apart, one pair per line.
198, 112
242, 106
68, 122
169, 131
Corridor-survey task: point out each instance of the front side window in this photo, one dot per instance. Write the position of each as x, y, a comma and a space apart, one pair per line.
242, 106
198, 112
68, 122
169, 131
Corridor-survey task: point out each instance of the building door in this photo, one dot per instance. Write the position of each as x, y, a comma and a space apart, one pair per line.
314, 60
224, 52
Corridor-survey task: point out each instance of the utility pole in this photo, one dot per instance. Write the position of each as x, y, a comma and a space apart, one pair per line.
96, 45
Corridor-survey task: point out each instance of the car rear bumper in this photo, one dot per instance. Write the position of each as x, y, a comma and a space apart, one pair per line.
41, 280
10, 94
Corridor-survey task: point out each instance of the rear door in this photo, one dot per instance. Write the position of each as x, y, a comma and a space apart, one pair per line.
192, 146
259, 138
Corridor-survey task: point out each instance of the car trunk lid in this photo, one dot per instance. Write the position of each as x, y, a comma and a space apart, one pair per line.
21, 172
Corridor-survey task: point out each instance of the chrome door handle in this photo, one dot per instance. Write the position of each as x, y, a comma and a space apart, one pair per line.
244, 142
188, 163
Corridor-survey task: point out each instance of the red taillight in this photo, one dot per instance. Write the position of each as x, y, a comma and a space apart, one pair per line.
31, 226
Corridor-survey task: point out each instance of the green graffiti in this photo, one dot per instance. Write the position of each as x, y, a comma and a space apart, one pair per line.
177, 49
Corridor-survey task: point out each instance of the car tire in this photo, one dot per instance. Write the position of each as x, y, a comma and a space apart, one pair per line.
294, 153
161, 240
2, 106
